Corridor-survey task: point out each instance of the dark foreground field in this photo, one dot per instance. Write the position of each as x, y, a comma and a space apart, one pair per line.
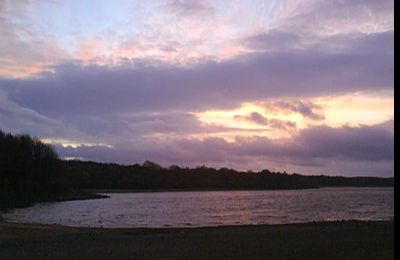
331, 240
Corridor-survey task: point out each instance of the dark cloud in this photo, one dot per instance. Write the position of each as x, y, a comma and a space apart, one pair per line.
138, 124
281, 124
18, 119
349, 143
259, 119
305, 108
178, 151
313, 147
253, 117
97, 90
273, 40
365, 143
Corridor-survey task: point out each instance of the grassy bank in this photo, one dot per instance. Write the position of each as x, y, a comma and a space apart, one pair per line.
327, 240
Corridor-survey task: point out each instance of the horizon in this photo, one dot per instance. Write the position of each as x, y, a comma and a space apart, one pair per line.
292, 86
168, 167
238, 171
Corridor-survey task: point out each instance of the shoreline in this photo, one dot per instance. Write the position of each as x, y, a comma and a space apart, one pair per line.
33, 225
5, 223
98, 191
318, 240
104, 192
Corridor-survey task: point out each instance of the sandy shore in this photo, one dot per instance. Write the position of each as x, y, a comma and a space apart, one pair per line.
328, 240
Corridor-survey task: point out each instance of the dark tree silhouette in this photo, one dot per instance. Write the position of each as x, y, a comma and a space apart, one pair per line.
30, 168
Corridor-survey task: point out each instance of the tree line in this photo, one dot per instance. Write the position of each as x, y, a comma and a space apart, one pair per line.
26, 164
29, 167
149, 175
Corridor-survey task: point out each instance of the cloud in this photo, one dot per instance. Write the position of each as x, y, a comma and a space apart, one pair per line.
24, 120
137, 79
306, 109
73, 89
365, 143
313, 148
189, 8
24, 49
257, 118
281, 124
176, 31
349, 143
273, 40
331, 17
253, 117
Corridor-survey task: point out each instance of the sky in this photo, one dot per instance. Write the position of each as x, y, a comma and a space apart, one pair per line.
303, 86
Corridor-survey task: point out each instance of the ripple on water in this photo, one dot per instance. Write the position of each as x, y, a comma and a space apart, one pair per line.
190, 209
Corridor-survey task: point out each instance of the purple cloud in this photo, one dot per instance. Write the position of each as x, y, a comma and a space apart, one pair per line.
301, 73
281, 124
259, 119
253, 117
144, 102
306, 109
315, 148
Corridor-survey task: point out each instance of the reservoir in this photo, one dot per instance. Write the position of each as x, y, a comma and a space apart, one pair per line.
213, 208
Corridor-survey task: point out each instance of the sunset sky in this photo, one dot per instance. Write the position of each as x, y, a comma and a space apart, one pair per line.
288, 85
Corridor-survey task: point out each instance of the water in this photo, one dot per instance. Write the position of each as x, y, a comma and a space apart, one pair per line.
214, 208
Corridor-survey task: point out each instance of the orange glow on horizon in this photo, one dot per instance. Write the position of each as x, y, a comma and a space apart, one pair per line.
352, 110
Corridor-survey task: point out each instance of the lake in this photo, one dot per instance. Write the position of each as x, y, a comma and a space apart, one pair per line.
214, 208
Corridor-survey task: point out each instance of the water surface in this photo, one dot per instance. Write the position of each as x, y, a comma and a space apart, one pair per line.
214, 208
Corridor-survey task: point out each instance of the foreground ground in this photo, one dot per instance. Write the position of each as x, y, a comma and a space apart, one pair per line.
331, 240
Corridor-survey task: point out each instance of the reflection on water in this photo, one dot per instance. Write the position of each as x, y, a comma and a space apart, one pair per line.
211, 208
